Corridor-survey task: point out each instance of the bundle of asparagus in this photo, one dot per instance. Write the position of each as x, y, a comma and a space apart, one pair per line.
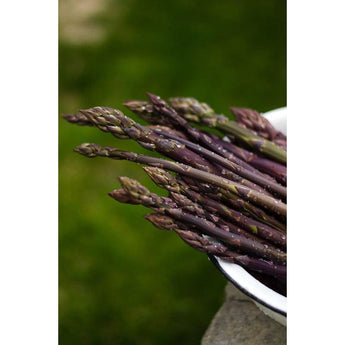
225, 198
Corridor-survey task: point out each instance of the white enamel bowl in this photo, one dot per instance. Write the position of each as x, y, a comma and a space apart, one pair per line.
269, 301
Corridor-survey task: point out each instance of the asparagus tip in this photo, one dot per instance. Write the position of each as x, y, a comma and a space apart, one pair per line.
160, 221
134, 104
132, 186
122, 196
161, 177
88, 149
155, 100
151, 96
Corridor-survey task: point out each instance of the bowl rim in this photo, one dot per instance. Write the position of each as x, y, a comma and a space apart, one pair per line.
277, 117
216, 261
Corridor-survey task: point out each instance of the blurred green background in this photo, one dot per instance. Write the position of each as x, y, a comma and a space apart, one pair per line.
121, 281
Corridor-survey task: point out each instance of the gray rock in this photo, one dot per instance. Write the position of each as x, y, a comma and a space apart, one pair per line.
240, 322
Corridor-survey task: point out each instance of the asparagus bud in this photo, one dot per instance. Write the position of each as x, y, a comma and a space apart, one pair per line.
212, 247
255, 122
165, 180
271, 204
198, 112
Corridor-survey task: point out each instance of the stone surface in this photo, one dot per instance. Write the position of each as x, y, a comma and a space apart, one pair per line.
240, 322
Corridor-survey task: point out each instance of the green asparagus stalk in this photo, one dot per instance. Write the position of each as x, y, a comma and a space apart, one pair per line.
212, 247
194, 111
271, 204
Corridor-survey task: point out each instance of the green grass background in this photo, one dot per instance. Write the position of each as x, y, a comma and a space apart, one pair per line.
121, 281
